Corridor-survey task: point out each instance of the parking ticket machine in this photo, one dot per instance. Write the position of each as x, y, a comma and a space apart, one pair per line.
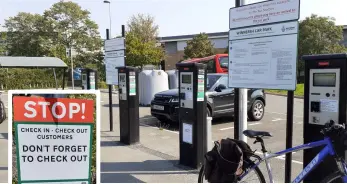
128, 90
89, 79
324, 101
192, 113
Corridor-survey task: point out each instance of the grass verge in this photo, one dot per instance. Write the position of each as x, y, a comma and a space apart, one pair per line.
298, 92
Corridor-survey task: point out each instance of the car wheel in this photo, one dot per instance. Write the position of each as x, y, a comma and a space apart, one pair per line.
257, 111
208, 112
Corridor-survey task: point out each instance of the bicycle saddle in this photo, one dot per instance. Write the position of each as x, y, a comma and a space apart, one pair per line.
254, 134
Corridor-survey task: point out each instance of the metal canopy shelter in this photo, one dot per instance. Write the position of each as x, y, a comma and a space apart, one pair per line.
34, 62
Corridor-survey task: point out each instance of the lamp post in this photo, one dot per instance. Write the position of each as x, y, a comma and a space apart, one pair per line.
109, 12
110, 33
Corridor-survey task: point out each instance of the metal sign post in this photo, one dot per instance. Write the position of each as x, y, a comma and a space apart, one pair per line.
259, 59
114, 57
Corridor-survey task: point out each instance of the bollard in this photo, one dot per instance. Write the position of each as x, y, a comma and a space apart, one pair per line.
209, 133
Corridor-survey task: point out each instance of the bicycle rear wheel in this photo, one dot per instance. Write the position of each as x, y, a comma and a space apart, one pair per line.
254, 176
335, 177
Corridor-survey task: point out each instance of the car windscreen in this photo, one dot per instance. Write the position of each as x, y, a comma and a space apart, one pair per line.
223, 62
211, 80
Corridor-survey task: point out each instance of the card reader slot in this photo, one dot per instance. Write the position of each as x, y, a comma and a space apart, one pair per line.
315, 93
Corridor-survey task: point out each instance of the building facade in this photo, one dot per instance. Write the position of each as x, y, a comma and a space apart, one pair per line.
174, 45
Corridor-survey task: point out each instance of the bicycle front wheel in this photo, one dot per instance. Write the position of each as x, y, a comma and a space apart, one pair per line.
336, 177
254, 176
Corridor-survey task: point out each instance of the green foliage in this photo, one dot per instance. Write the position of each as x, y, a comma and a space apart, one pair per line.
65, 24
102, 85
199, 46
26, 36
93, 60
141, 42
74, 26
29, 78
319, 35
226, 50
298, 92
144, 27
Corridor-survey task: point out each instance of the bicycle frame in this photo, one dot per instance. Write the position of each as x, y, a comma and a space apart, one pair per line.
327, 150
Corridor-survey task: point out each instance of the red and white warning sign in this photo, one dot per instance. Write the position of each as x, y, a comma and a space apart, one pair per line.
39, 109
53, 139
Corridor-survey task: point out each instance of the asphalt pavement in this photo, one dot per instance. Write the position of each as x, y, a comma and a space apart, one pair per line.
160, 140
157, 154
4, 145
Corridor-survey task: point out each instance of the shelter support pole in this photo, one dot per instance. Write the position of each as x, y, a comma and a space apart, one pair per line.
55, 79
64, 72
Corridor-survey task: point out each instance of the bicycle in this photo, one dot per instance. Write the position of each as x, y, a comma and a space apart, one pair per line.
331, 132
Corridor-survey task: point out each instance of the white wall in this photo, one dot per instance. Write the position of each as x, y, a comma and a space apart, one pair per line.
219, 43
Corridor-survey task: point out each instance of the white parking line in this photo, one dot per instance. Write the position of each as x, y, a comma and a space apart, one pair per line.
284, 114
233, 127
278, 119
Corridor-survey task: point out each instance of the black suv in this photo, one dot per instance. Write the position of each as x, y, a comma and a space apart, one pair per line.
220, 101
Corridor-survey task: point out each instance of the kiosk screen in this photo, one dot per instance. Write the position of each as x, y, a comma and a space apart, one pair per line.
324, 79
186, 79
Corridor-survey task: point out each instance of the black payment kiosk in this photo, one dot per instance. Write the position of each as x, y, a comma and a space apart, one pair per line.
325, 100
128, 104
89, 79
192, 113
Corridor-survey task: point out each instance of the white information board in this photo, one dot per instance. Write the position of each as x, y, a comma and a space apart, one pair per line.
264, 13
114, 57
187, 133
266, 30
114, 44
56, 152
265, 63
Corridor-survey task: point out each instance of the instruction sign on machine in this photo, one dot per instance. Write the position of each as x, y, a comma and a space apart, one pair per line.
53, 139
114, 57
257, 56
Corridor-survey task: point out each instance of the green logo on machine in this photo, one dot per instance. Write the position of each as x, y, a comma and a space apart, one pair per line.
132, 85
201, 88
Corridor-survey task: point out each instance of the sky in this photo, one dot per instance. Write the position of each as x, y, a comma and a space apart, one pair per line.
174, 17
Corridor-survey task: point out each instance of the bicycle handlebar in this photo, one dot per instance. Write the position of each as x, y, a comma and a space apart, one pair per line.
332, 127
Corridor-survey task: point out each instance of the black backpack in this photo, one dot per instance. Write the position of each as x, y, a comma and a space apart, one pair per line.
222, 162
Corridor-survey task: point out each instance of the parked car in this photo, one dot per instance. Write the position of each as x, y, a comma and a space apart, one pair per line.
220, 101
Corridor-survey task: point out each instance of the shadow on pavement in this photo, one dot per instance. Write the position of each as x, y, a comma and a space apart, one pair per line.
4, 136
120, 178
148, 167
113, 105
111, 143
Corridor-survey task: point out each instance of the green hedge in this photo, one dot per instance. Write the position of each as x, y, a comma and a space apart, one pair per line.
29, 78
93, 169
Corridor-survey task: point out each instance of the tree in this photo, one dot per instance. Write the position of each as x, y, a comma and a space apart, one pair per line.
25, 35
2, 43
142, 47
74, 26
199, 46
318, 35
144, 27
